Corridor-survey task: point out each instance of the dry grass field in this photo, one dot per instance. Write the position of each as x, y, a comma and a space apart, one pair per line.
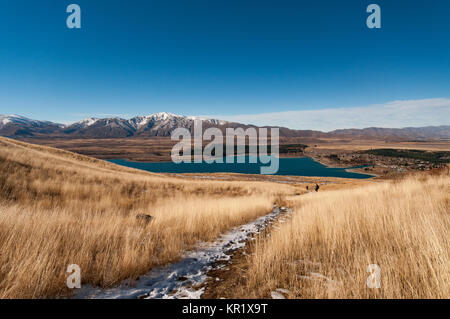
58, 208
324, 250
152, 149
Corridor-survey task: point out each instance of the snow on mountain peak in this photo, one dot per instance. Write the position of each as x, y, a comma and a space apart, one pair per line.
13, 115
86, 122
164, 115
4, 120
14, 118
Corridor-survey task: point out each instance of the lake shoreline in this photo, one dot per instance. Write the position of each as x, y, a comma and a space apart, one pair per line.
348, 169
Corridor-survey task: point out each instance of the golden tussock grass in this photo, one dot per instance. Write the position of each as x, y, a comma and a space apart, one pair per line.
324, 250
58, 208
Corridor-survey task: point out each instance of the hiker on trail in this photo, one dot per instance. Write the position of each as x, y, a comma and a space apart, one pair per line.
307, 187
317, 188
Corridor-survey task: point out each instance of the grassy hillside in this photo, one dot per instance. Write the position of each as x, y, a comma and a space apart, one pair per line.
333, 236
58, 208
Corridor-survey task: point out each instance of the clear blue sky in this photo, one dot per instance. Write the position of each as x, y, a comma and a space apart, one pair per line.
216, 57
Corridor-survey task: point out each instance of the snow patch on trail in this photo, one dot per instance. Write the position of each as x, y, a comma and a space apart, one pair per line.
184, 278
279, 293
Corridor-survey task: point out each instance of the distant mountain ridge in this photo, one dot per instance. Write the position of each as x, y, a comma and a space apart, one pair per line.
158, 124
163, 124
16, 125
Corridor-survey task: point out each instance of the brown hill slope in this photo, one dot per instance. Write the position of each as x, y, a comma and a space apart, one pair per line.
58, 208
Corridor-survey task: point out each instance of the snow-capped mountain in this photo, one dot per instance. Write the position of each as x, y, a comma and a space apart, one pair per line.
100, 128
85, 123
16, 125
162, 124
158, 124
164, 119
17, 119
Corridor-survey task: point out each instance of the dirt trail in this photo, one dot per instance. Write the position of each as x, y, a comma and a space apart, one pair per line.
227, 278
187, 277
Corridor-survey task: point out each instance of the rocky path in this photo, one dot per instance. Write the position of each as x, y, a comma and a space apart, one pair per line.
187, 277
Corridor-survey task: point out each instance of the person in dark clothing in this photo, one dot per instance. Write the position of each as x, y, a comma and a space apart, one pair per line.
317, 188
307, 187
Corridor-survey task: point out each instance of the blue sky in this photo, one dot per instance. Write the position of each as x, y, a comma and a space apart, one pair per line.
253, 61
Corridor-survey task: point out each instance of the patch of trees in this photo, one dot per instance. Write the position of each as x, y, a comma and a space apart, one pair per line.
439, 157
333, 157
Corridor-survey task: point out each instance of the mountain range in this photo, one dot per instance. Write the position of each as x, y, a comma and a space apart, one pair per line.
162, 124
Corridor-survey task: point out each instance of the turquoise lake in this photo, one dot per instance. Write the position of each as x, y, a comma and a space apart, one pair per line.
302, 166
